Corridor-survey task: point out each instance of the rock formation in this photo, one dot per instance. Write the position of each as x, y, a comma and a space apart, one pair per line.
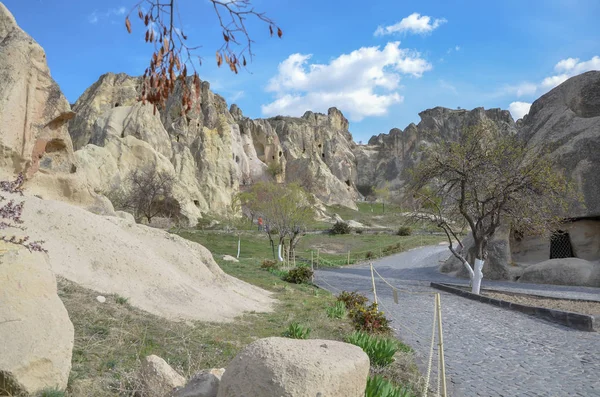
213, 151
33, 122
274, 367
386, 157
35, 330
565, 123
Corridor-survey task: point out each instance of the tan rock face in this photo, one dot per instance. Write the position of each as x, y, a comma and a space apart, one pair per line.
386, 157
33, 111
282, 367
35, 330
158, 378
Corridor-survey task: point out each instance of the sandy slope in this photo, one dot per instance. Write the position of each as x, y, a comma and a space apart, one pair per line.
159, 272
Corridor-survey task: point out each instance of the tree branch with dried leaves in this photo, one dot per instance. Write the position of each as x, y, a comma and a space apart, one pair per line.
172, 55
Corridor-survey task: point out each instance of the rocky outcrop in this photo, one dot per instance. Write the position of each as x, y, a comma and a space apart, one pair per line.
203, 384
35, 330
319, 155
157, 271
566, 123
386, 157
158, 378
34, 114
213, 151
275, 367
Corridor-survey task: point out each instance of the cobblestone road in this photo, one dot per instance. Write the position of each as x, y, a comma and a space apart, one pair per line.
489, 351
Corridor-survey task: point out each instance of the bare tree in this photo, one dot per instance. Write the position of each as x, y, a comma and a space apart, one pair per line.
147, 193
172, 56
485, 179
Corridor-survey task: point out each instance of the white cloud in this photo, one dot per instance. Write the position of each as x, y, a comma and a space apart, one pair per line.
566, 68
519, 109
362, 83
95, 16
414, 23
236, 95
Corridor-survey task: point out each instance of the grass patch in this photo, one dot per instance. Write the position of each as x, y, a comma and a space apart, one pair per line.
111, 338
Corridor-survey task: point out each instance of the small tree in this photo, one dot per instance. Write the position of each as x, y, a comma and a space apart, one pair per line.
10, 215
147, 193
383, 194
484, 179
286, 208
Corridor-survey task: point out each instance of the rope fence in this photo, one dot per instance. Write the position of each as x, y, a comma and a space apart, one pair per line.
439, 385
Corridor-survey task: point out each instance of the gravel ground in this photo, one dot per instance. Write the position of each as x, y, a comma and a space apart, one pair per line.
583, 307
490, 351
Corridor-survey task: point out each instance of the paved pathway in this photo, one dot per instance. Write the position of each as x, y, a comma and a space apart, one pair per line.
489, 351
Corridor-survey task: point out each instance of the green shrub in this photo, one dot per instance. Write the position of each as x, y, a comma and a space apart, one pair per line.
51, 393
296, 331
121, 300
369, 255
359, 231
340, 228
274, 168
380, 387
370, 319
299, 275
380, 350
404, 231
338, 310
269, 264
352, 300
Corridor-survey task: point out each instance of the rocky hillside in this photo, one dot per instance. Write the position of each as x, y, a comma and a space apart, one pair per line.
212, 150
386, 157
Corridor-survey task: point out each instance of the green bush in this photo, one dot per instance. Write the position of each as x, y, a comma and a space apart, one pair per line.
369, 255
338, 310
352, 300
296, 331
370, 319
51, 393
121, 300
340, 228
380, 387
380, 350
299, 275
404, 231
269, 264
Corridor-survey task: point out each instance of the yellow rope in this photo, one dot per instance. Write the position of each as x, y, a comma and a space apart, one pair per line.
427, 377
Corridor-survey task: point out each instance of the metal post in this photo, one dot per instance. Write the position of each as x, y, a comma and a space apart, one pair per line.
441, 343
373, 281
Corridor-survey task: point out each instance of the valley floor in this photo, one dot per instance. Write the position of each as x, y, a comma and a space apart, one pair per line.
489, 351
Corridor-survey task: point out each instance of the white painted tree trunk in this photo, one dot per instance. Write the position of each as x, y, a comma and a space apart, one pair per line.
239, 247
279, 253
477, 276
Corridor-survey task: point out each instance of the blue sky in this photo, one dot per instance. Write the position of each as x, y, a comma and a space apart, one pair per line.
381, 62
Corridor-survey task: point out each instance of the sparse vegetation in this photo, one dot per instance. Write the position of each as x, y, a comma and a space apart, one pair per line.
338, 310
352, 300
121, 300
340, 228
378, 386
296, 331
381, 351
52, 393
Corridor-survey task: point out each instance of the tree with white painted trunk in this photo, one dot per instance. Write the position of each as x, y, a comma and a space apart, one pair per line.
482, 180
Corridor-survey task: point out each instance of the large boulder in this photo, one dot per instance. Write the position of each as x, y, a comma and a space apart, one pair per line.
203, 384
35, 330
158, 378
282, 367
565, 271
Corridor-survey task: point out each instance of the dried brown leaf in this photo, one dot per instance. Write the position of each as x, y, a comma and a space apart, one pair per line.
128, 25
